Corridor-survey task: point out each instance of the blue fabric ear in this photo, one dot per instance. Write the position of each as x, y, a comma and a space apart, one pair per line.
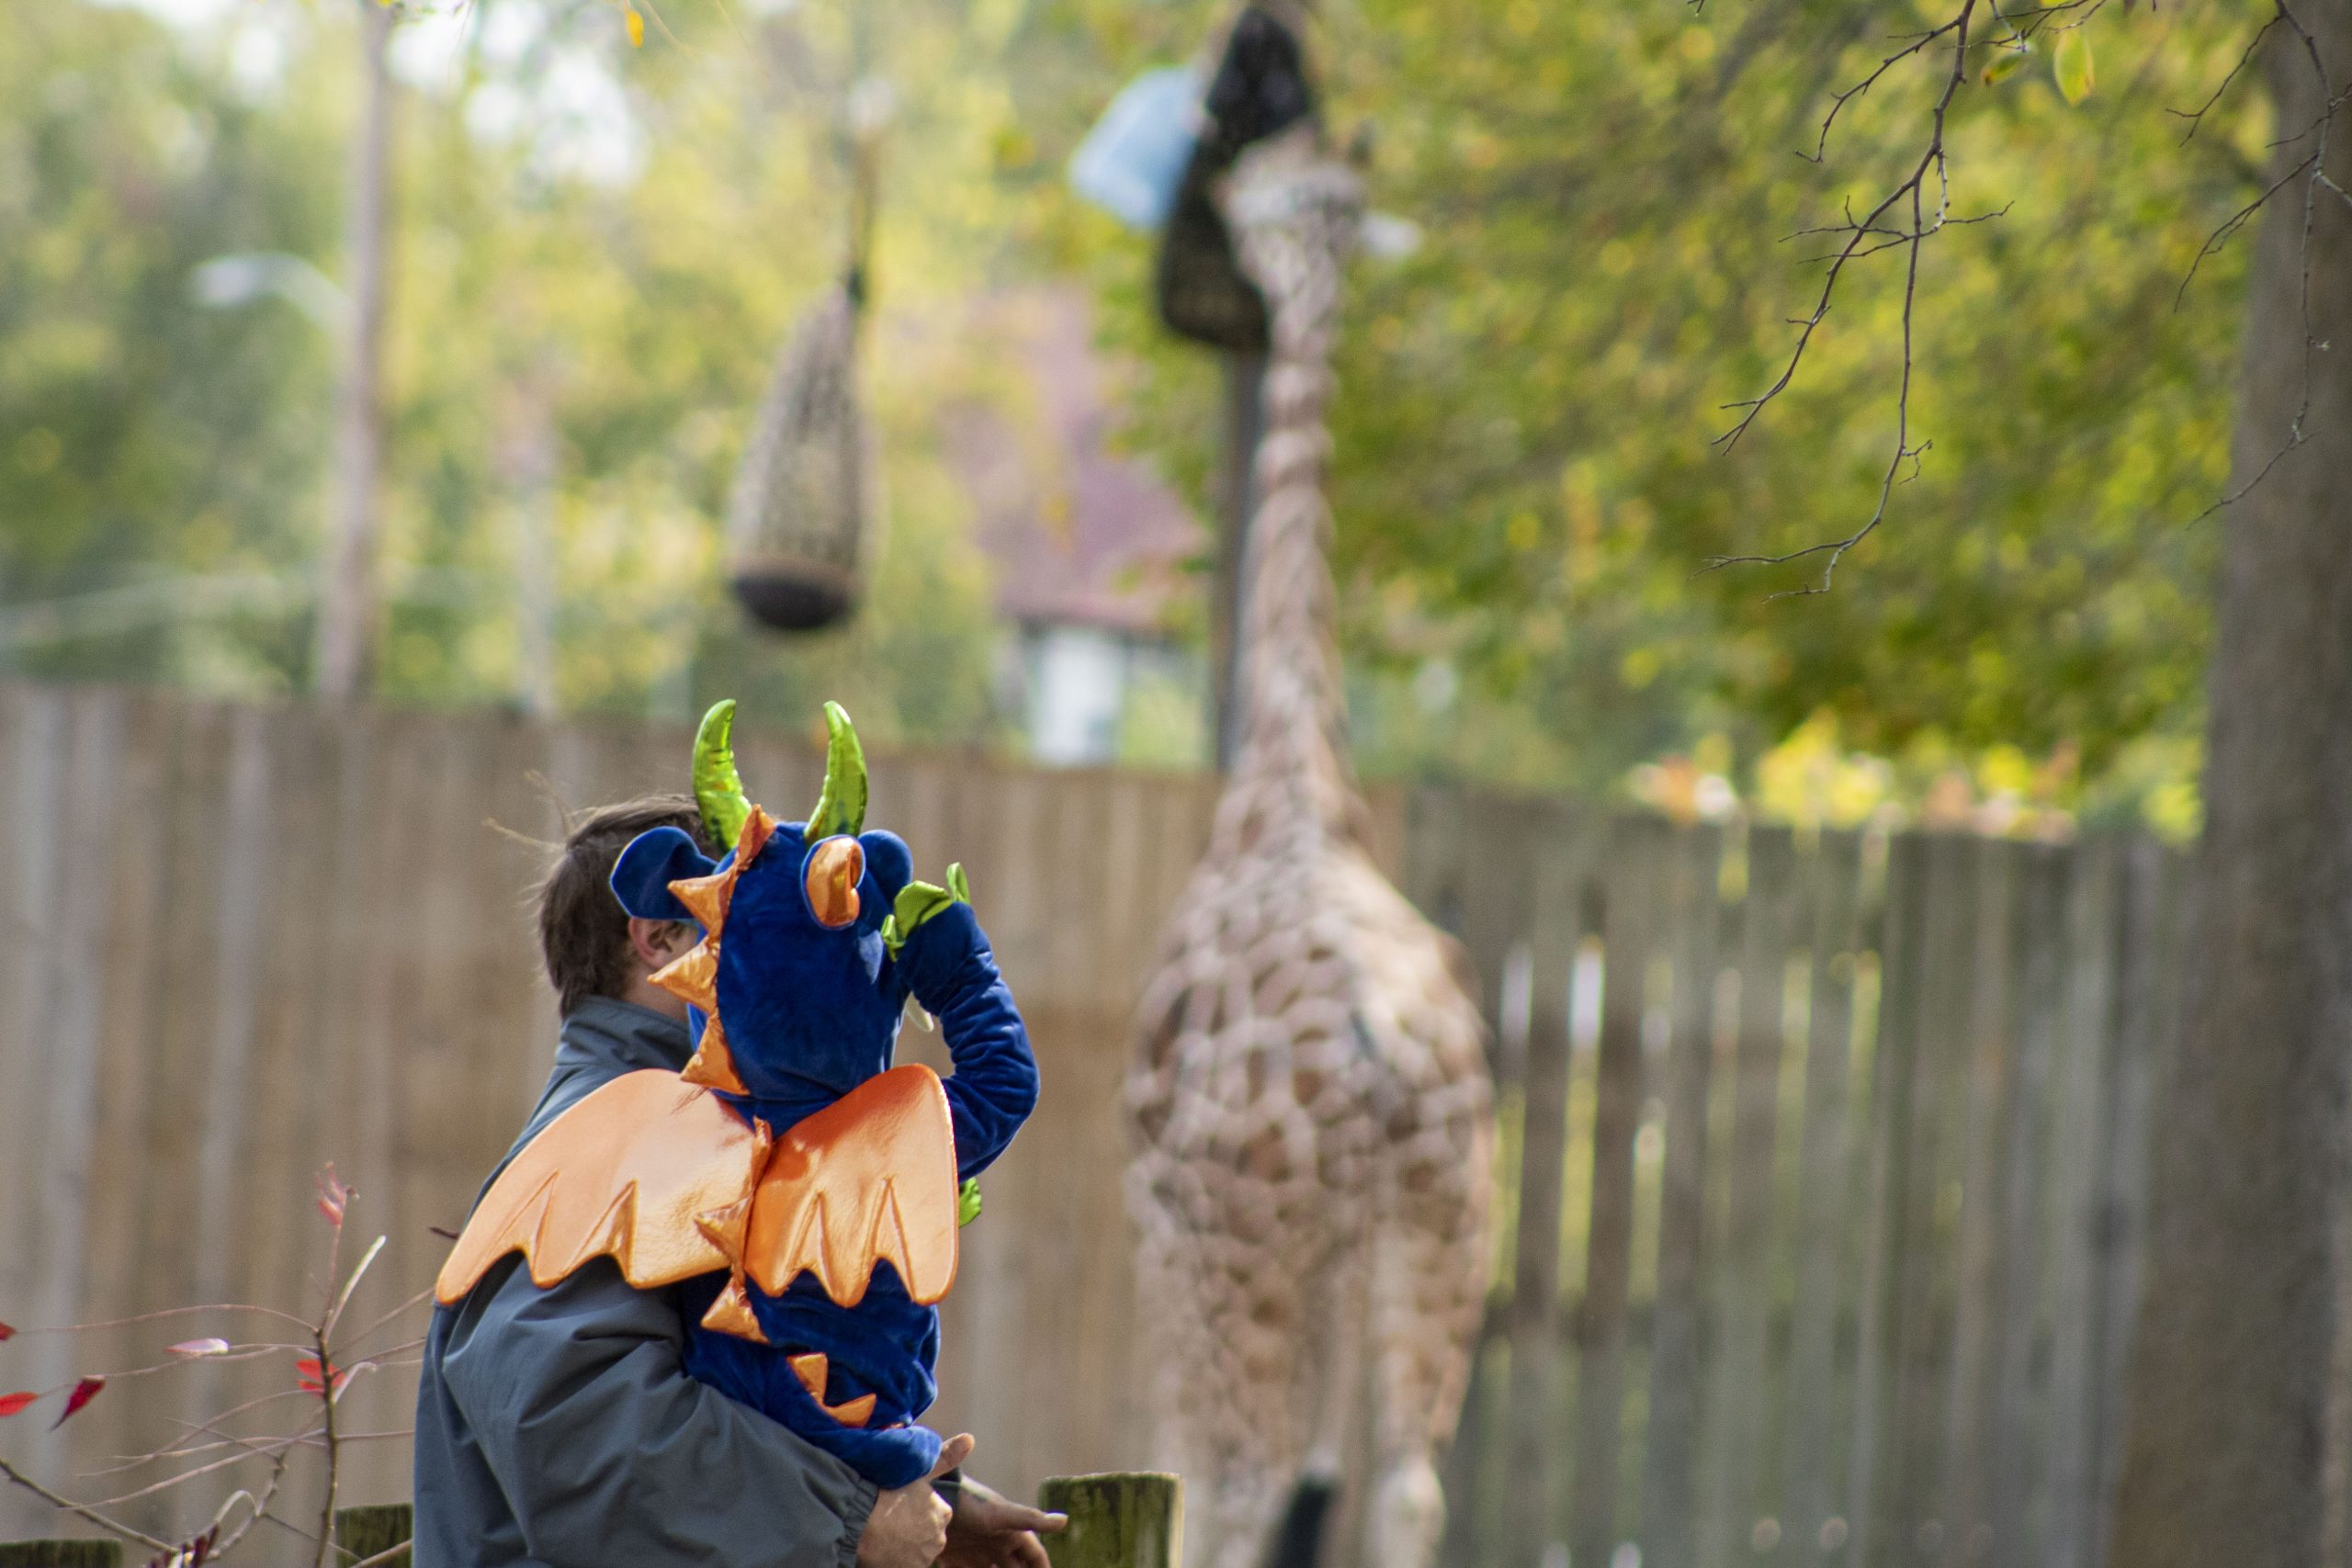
653, 860
887, 861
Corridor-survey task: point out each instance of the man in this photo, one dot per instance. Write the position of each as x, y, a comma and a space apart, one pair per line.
557, 1429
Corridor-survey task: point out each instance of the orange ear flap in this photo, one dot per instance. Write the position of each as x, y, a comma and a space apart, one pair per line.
831, 878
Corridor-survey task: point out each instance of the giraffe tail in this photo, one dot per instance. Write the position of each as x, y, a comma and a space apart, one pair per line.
1298, 1539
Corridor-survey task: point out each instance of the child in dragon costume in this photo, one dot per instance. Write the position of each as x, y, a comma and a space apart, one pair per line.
806, 1193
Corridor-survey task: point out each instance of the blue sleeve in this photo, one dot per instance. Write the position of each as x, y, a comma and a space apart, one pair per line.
953, 976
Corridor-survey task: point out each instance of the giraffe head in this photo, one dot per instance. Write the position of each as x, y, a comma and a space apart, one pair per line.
792, 991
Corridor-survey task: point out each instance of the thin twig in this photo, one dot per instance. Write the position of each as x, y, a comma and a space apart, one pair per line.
326, 1329
328, 1377
1859, 234
2196, 117
264, 1447
361, 1337
301, 1323
1931, 161
82, 1510
381, 1559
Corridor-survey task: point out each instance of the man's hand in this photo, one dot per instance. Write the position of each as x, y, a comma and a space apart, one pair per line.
908, 1528
989, 1531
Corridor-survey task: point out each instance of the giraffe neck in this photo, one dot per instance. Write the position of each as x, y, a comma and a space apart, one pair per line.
1295, 214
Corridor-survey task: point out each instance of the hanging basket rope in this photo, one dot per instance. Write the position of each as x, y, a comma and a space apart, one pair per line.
800, 523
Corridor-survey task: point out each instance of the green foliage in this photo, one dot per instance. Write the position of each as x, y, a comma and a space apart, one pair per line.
1525, 485
142, 437
2070, 67
1526, 491
622, 268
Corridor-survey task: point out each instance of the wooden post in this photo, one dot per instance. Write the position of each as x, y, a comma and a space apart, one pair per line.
365, 1532
1122, 1520
61, 1554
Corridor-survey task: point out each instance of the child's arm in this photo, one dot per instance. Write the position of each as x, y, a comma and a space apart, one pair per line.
954, 978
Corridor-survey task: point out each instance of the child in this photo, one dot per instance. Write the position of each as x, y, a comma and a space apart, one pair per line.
804, 1192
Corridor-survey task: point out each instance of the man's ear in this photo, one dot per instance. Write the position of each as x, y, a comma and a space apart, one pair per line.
652, 861
658, 943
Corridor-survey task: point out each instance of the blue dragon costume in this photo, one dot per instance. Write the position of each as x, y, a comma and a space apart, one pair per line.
805, 1194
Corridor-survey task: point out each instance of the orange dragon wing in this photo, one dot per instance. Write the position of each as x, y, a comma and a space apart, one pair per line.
871, 1176
648, 1170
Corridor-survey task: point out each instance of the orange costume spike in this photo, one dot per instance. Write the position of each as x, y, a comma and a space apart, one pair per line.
693, 977
811, 1370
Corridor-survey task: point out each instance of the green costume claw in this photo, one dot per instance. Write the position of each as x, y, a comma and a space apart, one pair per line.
967, 1201
919, 901
841, 807
718, 788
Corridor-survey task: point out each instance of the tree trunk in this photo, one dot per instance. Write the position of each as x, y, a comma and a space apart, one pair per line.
347, 631
2234, 1429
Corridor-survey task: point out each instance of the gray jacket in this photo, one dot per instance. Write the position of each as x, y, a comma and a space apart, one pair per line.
556, 1428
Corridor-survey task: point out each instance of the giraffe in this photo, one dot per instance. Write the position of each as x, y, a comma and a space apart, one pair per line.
1309, 1097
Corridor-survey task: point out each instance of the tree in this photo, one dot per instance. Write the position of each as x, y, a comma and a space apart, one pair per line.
2238, 1439
2240, 1413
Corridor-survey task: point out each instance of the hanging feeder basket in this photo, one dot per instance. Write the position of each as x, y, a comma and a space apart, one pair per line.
799, 521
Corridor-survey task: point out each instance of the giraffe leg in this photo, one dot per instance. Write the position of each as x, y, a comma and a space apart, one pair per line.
1233, 1359
1428, 1288
1255, 1421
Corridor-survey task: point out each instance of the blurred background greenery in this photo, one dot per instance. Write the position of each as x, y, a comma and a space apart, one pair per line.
612, 241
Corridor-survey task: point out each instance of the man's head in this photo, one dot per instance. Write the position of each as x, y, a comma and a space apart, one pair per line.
594, 947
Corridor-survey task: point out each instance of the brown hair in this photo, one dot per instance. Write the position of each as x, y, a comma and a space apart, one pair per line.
583, 931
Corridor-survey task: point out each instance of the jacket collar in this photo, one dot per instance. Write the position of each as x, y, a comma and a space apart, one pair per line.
607, 1037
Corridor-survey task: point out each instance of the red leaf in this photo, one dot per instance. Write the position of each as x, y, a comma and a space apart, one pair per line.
84, 1391
200, 1347
310, 1377
12, 1403
332, 1195
6, 1334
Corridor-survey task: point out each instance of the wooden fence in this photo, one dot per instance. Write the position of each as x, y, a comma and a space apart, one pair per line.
1823, 1155
1828, 1159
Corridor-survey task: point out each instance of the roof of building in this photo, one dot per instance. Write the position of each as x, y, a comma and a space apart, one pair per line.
1077, 531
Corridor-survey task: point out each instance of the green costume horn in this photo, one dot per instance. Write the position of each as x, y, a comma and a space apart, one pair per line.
841, 809
718, 788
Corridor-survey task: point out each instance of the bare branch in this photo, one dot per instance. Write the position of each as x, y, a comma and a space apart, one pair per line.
2196, 117
1904, 450
114, 1526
